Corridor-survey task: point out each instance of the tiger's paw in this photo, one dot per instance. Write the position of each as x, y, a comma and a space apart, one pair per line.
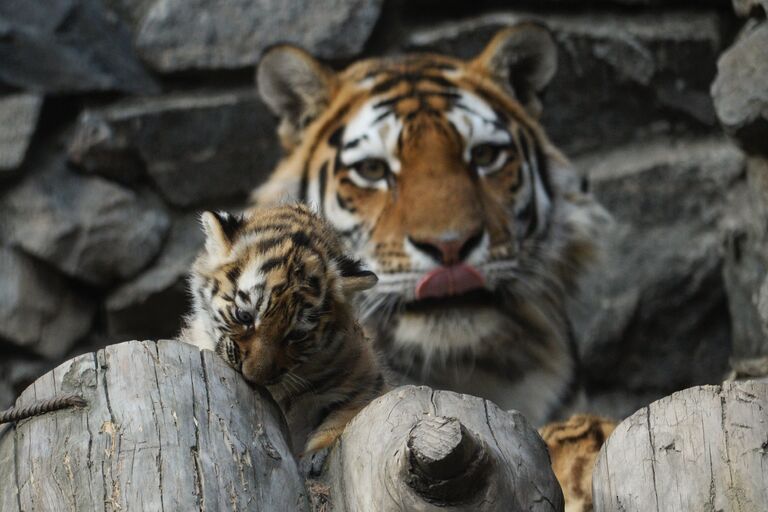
311, 464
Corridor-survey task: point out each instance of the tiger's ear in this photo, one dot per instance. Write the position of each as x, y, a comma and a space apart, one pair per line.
220, 230
295, 86
353, 277
523, 60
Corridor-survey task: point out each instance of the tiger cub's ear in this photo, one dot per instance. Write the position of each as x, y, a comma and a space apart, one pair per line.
220, 231
295, 86
353, 277
522, 59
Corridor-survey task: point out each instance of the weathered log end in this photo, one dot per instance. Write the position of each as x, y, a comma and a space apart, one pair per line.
166, 427
704, 448
444, 462
422, 450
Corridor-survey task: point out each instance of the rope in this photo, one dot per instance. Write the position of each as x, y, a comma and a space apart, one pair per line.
41, 407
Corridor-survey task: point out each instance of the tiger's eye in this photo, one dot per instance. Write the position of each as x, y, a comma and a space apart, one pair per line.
244, 317
295, 336
372, 169
484, 155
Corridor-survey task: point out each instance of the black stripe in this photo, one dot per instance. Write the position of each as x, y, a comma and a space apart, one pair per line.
532, 209
323, 177
304, 182
543, 168
266, 244
353, 143
233, 273
382, 116
272, 263
343, 204
300, 239
345, 233
335, 138
314, 285
278, 226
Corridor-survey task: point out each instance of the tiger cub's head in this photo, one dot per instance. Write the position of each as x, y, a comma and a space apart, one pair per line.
438, 175
269, 285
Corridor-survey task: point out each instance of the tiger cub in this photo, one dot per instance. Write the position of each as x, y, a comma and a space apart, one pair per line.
271, 295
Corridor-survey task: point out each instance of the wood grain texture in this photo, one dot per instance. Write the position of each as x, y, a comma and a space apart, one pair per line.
370, 468
704, 448
167, 427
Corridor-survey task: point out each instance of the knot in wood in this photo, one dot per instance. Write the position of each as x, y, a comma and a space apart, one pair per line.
445, 463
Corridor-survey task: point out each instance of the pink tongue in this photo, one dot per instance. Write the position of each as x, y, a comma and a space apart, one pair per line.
447, 281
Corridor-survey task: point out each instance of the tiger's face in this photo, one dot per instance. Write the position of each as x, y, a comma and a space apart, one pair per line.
438, 176
270, 282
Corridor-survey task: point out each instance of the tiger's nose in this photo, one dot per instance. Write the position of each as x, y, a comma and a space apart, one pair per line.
449, 249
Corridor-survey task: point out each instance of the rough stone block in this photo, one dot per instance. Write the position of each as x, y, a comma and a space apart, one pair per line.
195, 147
740, 91
653, 315
39, 310
18, 120
206, 34
87, 227
64, 46
152, 304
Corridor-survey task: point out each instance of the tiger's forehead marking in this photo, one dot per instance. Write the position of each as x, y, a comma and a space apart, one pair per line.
251, 278
374, 131
477, 122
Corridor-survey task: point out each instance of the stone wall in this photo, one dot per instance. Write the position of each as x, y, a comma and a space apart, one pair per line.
121, 119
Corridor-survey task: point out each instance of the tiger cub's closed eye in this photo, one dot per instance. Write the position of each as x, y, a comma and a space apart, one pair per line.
242, 316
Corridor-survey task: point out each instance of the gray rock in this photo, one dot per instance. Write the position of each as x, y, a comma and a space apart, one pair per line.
132, 11
88, 228
38, 309
740, 91
620, 75
18, 120
152, 304
745, 8
195, 147
746, 263
61, 46
98, 147
205, 34
16, 373
653, 315
762, 306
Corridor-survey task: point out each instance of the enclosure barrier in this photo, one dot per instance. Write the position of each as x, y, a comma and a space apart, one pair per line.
701, 449
166, 427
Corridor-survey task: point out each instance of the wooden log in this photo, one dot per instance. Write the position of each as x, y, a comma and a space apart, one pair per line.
704, 448
422, 450
167, 427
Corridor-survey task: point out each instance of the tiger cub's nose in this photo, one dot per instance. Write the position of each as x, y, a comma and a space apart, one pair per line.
449, 249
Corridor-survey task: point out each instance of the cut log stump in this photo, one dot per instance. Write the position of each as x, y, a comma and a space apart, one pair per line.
422, 450
704, 448
166, 427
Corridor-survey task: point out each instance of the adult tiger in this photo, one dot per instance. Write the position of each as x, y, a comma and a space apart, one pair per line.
440, 179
